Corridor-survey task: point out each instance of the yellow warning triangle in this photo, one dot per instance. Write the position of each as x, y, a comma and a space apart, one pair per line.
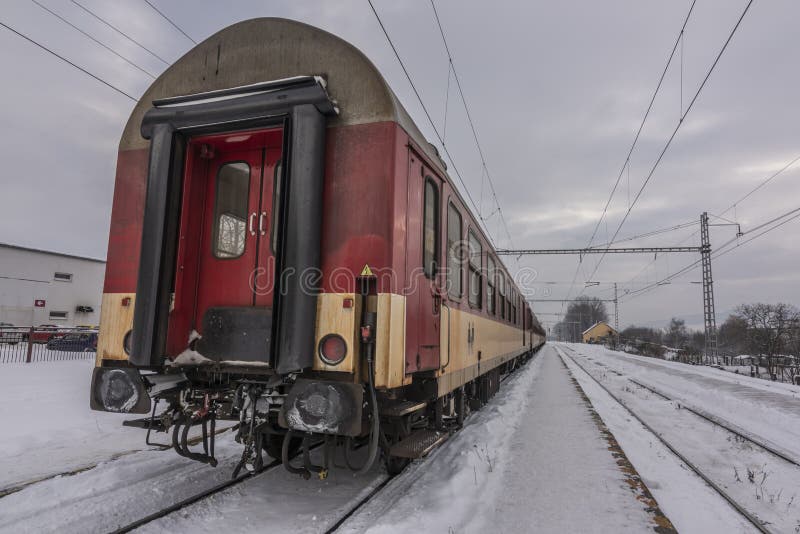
366, 271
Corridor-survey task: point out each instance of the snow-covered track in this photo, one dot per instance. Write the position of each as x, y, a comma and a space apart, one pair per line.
358, 506
8, 490
730, 427
752, 519
193, 499
19, 486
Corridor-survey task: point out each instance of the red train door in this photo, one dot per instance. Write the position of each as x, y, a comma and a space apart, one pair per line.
423, 261
229, 246
225, 256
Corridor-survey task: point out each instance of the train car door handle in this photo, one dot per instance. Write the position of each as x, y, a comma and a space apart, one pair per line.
252, 223
261, 227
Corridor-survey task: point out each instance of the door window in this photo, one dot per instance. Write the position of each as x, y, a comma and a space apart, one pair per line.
475, 277
490, 282
230, 212
454, 252
430, 229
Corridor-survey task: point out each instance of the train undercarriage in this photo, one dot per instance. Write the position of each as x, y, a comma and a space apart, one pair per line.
395, 425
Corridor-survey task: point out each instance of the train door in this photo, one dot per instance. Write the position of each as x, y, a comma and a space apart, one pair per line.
229, 243
424, 234
225, 276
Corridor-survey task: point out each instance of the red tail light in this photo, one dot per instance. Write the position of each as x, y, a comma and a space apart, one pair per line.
332, 349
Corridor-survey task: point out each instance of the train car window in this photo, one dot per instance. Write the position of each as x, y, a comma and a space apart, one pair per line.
514, 309
501, 290
276, 206
490, 283
230, 211
454, 252
475, 271
430, 231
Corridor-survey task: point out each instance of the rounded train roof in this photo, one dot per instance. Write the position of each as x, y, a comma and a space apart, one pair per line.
265, 49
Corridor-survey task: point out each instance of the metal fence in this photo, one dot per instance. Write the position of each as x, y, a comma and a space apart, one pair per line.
41, 344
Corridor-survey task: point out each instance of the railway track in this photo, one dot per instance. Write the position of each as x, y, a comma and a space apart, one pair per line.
193, 499
746, 514
9, 490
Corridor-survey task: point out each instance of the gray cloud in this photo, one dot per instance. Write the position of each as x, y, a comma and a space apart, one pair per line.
557, 91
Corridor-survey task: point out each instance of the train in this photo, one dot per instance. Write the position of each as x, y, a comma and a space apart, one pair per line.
287, 253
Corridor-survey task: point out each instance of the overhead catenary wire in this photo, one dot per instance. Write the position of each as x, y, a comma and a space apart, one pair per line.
93, 39
677, 128
485, 167
64, 59
722, 250
769, 178
125, 35
648, 234
428, 115
170, 21
626, 164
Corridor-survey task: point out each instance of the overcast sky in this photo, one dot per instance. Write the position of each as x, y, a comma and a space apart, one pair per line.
556, 89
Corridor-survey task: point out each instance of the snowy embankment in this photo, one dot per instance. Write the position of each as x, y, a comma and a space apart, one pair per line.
765, 485
532, 460
48, 427
767, 409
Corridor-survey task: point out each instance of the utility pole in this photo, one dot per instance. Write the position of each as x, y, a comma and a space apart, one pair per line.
709, 315
616, 316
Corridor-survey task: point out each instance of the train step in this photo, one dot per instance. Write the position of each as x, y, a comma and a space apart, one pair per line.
399, 409
417, 444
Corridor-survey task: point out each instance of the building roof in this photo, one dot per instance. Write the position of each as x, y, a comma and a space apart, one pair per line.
52, 253
599, 323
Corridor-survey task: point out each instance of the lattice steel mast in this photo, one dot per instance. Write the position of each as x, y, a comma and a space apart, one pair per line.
709, 315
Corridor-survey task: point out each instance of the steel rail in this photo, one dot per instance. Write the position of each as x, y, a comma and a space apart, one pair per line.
721, 423
203, 494
744, 513
8, 490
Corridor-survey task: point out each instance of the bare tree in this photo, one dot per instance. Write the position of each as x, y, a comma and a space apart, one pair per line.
732, 335
769, 329
581, 314
676, 334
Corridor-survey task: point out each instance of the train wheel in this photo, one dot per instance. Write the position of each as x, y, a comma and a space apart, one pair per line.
273, 443
395, 465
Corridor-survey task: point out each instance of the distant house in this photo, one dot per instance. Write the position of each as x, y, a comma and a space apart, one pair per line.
598, 333
43, 287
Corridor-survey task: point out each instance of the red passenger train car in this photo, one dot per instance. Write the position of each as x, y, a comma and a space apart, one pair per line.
288, 251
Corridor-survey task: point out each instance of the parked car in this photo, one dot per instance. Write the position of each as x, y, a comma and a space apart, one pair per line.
46, 332
10, 334
74, 342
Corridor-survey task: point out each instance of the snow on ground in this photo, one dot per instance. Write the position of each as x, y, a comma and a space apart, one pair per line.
276, 501
531, 460
114, 493
47, 425
767, 409
764, 484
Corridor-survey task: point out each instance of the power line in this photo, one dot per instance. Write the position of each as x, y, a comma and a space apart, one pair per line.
62, 58
427, 114
128, 37
644, 120
170, 21
68, 23
677, 127
471, 123
627, 161
721, 251
648, 234
761, 184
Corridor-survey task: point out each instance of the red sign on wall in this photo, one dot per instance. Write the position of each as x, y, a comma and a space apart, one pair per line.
39, 303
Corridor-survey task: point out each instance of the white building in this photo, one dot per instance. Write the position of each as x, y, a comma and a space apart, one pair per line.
41, 287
